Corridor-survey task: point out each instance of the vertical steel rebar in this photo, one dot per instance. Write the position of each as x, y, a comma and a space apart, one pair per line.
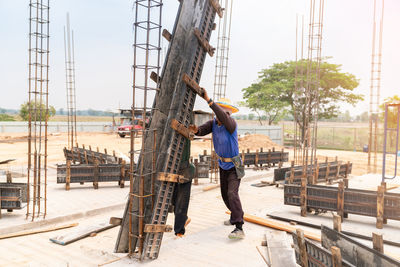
69, 51
38, 108
143, 60
375, 86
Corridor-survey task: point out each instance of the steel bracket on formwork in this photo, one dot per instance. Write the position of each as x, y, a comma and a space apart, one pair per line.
155, 78
204, 43
180, 128
217, 7
157, 228
167, 35
193, 85
170, 177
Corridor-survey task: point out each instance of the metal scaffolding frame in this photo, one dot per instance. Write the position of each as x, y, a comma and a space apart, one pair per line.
146, 60
38, 108
375, 88
69, 52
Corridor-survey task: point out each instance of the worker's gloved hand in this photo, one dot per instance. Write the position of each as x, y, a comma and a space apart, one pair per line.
193, 128
205, 95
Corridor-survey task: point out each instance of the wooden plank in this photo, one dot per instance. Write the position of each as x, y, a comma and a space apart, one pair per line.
81, 233
264, 254
379, 207
377, 242
303, 197
279, 249
37, 231
336, 257
340, 200
337, 222
277, 225
302, 248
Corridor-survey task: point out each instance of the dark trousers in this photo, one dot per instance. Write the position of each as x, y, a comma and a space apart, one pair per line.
230, 194
180, 200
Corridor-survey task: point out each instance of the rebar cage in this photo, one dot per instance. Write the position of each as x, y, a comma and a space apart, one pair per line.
146, 61
38, 108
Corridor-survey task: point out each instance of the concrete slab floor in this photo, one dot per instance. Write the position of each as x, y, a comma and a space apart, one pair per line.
205, 243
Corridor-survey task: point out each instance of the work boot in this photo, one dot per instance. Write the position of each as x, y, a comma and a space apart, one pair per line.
236, 234
227, 222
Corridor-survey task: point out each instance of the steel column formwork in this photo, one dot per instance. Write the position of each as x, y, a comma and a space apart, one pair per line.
38, 108
375, 87
69, 52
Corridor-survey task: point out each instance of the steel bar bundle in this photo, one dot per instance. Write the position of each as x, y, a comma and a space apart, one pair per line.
69, 51
38, 108
391, 127
379, 204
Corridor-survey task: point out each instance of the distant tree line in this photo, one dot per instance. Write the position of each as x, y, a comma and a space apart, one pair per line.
87, 112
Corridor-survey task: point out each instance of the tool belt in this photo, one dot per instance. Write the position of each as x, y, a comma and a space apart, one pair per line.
237, 161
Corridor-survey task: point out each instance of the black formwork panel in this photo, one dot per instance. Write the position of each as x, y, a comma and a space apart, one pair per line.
11, 198
356, 201
23, 186
202, 170
322, 173
85, 173
78, 154
317, 256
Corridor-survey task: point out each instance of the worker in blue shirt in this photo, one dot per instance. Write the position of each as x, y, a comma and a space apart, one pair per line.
224, 134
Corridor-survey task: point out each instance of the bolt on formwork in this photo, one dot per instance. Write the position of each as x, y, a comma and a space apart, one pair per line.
69, 51
221, 69
312, 88
146, 63
375, 87
38, 108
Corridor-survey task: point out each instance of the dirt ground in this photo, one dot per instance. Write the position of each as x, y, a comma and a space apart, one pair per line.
14, 146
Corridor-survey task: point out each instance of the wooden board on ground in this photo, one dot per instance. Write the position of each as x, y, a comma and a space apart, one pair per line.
81, 233
264, 254
37, 231
279, 249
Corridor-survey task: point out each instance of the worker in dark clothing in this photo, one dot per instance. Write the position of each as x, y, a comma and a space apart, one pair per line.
181, 195
224, 134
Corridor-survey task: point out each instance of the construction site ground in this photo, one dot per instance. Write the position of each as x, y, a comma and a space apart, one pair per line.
205, 243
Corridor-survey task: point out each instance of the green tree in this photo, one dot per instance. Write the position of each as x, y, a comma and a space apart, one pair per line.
6, 117
262, 98
278, 82
40, 115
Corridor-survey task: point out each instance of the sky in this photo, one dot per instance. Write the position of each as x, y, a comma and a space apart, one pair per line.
263, 33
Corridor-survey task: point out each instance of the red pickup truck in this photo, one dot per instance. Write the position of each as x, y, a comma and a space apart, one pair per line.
127, 125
